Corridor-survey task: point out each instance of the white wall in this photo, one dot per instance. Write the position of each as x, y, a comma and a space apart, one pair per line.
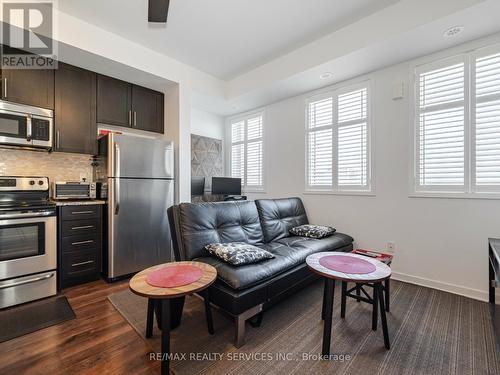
440, 243
207, 124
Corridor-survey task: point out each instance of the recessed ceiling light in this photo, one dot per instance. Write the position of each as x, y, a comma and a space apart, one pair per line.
326, 75
453, 31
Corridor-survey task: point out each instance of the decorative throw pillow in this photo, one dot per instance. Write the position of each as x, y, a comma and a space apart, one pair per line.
313, 231
238, 253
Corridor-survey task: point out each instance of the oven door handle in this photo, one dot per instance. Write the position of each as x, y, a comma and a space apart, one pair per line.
29, 281
29, 128
21, 215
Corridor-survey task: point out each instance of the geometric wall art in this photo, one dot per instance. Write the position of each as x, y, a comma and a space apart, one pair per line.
206, 159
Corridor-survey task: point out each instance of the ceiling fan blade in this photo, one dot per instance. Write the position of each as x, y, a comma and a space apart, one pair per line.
158, 10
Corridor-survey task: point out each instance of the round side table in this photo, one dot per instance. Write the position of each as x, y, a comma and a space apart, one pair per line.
382, 272
162, 296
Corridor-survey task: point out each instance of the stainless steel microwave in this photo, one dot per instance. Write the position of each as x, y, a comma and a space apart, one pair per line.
25, 126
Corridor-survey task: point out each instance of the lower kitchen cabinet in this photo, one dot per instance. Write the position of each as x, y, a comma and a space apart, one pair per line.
79, 244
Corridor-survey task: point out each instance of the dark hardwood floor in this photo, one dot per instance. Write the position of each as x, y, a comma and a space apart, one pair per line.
98, 341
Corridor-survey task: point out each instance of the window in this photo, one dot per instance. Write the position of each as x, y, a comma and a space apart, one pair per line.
338, 127
247, 151
457, 125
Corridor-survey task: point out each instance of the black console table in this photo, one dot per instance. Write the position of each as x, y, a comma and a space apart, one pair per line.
494, 282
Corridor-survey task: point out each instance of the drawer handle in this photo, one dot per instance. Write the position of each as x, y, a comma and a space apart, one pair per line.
83, 227
82, 212
82, 263
82, 242
29, 281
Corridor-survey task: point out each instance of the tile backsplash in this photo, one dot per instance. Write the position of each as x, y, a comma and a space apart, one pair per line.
56, 166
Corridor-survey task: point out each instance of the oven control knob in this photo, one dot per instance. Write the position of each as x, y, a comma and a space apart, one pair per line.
40, 182
32, 182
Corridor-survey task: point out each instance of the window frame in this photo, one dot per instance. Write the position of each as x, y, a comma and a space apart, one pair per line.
334, 92
469, 189
245, 117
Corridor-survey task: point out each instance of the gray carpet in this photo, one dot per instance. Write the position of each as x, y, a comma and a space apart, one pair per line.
431, 332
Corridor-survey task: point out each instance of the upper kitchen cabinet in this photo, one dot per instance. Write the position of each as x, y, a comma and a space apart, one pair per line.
75, 110
124, 104
29, 86
147, 107
114, 101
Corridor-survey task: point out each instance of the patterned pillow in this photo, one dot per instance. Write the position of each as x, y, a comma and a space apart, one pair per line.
238, 253
313, 231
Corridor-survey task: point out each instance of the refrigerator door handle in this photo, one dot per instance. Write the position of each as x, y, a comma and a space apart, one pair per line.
117, 179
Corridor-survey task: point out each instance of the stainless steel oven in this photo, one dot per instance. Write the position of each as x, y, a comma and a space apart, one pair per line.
25, 126
28, 248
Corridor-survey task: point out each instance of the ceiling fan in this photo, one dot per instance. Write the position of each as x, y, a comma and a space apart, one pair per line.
158, 10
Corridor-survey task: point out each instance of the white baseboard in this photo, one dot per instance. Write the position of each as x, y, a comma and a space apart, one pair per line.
452, 288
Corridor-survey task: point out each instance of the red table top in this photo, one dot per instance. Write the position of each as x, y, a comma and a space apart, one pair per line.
175, 276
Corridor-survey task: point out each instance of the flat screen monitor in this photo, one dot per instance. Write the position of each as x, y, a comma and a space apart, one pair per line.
197, 185
226, 186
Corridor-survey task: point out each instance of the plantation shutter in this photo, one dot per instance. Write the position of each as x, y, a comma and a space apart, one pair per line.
440, 118
352, 150
320, 143
254, 152
487, 123
238, 149
247, 151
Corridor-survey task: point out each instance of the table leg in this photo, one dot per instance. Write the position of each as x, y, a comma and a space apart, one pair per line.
149, 318
324, 300
328, 303
343, 300
375, 307
382, 315
165, 336
358, 292
208, 311
491, 281
387, 284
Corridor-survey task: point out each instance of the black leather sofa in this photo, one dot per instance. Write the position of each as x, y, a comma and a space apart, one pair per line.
246, 291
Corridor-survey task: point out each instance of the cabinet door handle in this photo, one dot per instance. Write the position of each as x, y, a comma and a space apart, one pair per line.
82, 263
5, 87
82, 242
135, 119
82, 227
130, 117
58, 139
82, 212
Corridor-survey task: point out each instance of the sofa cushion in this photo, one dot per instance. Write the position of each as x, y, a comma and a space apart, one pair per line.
332, 243
288, 252
278, 216
312, 231
201, 224
238, 253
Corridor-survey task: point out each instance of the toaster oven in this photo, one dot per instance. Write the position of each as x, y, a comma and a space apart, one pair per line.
73, 190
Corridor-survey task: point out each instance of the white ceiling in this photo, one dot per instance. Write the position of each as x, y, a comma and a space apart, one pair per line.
225, 38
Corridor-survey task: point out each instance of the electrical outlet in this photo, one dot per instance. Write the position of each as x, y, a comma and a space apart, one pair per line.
391, 247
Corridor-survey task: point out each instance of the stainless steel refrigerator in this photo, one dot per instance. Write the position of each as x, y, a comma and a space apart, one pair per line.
140, 176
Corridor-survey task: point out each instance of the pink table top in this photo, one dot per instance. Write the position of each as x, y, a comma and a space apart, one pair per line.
348, 267
172, 277
345, 264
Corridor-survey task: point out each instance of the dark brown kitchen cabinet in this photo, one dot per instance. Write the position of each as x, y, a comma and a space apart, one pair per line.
79, 244
29, 86
114, 101
124, 104
147, 107
75, 110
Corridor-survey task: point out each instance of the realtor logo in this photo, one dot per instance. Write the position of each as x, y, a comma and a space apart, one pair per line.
27, 35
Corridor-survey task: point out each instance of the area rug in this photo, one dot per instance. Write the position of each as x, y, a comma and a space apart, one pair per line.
30, 317
431, 332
